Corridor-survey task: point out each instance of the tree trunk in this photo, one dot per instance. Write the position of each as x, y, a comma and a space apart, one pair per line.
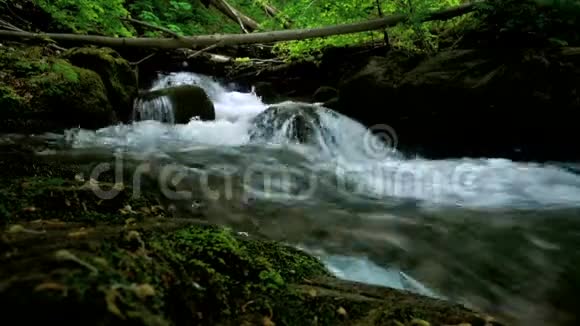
246, 23
235, 39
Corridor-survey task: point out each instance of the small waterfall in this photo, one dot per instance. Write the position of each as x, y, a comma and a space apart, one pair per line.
229, 105
158, 109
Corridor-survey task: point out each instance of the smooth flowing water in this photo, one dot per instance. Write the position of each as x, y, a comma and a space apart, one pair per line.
493, 234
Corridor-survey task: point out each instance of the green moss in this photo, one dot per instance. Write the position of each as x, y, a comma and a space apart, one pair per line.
46, 93
65, 70
117, 75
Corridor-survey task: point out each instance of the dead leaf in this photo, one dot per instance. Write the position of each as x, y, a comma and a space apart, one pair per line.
51, 286
101, 261
421, 322
156, 209
127, 210
144, 290
16, 228
79, 234
54, 222
266, 321
130, 221
110, 297
341, 311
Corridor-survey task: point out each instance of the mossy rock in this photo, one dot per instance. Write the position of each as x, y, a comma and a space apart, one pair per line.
117, 75
41, 93
187, 102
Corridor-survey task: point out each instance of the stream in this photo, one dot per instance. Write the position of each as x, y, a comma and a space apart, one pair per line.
490, 233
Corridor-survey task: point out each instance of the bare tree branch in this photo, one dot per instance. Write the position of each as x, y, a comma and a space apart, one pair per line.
246, 23
211, 47
142, 60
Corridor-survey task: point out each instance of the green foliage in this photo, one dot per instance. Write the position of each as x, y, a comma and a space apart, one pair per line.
184, 17
64, 69
554, 20
88, 16
413, 35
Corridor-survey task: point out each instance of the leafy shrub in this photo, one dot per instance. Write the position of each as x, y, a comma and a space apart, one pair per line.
413, 35
181, 16
88, 16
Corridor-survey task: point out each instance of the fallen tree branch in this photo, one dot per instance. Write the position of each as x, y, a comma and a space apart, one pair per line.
211, 47
159, 28
142, 60
246, 23
10, 27
236, 39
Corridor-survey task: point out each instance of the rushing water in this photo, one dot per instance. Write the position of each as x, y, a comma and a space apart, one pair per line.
494, 234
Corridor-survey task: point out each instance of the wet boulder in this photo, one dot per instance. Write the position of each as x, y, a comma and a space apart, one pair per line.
117, 75
514, 103
296, 122
42, 92
181, 102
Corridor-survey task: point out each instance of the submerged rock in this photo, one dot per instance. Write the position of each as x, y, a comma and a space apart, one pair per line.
186, 102
512, 103
41, 92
